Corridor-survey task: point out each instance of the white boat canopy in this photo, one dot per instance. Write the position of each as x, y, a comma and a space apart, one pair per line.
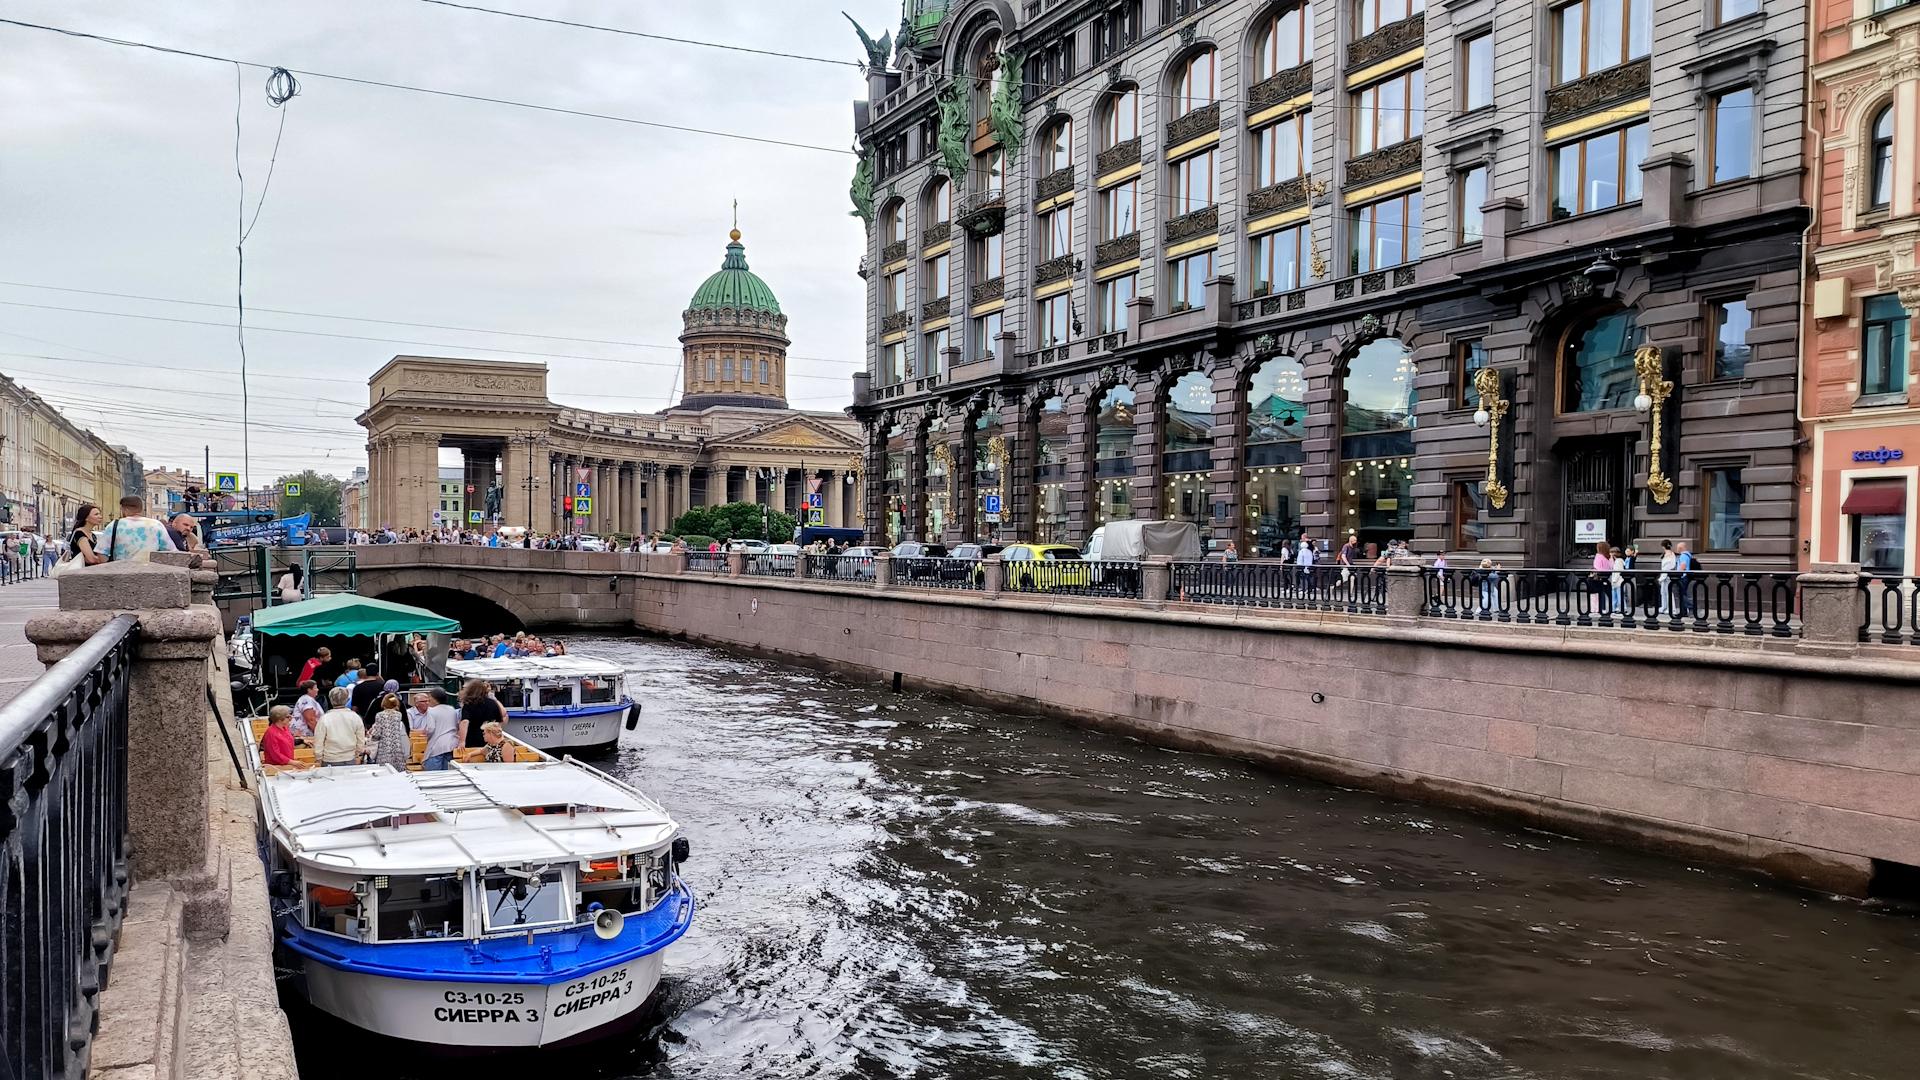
536, 667
556, 784
330, 800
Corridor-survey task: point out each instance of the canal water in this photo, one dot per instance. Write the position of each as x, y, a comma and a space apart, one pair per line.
900, 886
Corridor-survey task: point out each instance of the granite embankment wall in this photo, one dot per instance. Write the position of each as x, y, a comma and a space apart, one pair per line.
1749, 752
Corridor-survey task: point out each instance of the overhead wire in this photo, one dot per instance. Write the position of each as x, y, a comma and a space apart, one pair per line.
641, 34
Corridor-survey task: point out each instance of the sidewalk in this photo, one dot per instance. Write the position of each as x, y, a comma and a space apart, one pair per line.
18, 603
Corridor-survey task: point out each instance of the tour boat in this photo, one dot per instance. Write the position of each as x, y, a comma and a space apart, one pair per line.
494, 905
557, 703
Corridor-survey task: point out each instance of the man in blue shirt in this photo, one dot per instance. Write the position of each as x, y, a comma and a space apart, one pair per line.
349, 676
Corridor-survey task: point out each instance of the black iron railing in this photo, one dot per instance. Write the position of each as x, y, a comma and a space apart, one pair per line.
1755, 604
63, 871
1890, 610
1323, 587
939, 573
711, 562
1073, 577
771, 565
840, 567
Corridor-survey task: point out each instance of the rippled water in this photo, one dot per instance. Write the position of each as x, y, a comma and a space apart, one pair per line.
899, 886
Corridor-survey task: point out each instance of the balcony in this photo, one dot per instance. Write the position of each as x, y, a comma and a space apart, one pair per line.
1194, 124
1117, 156
1119, 249
1389, 41
983, 213
866, 267
1057, 182
1189, 225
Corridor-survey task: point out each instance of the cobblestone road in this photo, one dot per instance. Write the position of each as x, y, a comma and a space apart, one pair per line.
18, 603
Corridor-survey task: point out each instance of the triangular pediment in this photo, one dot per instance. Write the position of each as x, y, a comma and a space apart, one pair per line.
792, 433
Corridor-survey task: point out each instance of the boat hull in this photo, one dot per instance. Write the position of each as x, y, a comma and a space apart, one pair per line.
582, 729
481, 1014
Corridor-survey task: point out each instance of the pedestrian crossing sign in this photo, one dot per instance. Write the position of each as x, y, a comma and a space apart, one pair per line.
816, 516
227, 483
475, 517
583, 504
293, 489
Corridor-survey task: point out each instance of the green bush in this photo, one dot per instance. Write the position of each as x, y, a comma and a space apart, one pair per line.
735, 521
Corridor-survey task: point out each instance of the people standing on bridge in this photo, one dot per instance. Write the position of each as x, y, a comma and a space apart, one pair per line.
1685, 563
276, 743
340, 736
306, 711
477, 709
388, 741
320, 659
134, 532
85, 523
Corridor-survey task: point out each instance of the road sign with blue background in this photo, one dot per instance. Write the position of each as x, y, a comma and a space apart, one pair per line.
815, 499
227, 482
475, 517
582, 490
582, 504
293, 489
990, 503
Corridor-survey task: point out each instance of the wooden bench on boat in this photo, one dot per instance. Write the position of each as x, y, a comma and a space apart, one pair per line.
303, 754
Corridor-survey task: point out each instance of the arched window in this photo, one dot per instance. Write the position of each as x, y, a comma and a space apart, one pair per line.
1193, 85
893, 222
1187, 454
1596, 362
939, 496
984, 71
1880, 158
1056, 147
1113, 456
939, 208
1050, 472
989, 473
1376, 445
1120, 120
1276, 422
1283, 42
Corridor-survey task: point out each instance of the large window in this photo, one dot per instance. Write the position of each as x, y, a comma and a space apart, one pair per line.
1596, 362
1056, 233
986, 336
1883, 346
1186, 451
1599, 171
1120, 120
1115, 294
1732, 321
1469, 195
1371, 15
1117, 206
1113, 456
1725, 500
893, 222
934, 275
1730, 135
1187, 280
1469, 356
1190, 184
1385, 233
989, 257
989, 471
939, 494
939, 201
1468, 500
1283, 150
1276, 422
896, 291
1056, 148
991, 170
1193, 83
1729, 10
1476, 72
1376, 444
1279, 260
1880, 161
1056, 320
1283, 42
1050, 472
933, 349
893, 362
1390, 111
893, 489
1594, 35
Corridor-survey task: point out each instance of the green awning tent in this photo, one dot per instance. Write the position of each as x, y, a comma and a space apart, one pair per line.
347, 615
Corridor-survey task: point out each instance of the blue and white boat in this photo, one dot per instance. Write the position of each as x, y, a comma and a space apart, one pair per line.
515, 904
570, 704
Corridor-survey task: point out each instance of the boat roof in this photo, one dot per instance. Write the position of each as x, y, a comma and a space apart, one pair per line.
535, 667
347, 615
470, 815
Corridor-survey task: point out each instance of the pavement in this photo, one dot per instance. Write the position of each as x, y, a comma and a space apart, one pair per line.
19, 602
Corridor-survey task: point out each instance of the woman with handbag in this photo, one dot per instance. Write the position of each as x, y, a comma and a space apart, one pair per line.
86, 522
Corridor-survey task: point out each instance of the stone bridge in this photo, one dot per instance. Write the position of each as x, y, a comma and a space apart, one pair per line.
493, 589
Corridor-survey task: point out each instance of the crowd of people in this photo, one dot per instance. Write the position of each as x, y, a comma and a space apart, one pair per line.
500, 645
93, 540
364, 722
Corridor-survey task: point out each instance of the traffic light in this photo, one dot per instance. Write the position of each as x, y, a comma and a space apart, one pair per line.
566, 505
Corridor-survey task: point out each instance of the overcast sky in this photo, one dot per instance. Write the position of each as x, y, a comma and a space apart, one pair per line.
117, 175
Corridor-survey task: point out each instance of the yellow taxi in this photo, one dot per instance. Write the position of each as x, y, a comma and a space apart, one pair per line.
1039, 567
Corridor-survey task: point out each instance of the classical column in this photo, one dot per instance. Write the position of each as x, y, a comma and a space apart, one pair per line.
1149, 401
1226, 484
375, 491
830, 494
683, 491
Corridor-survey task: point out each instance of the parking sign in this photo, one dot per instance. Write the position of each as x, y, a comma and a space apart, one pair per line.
990, 503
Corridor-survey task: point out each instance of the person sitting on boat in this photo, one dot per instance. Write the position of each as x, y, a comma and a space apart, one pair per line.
493, 738
338, 739
349, 676
477, 709
388, 741
276, 743
560, 647
501, 647
311, 669
306, 711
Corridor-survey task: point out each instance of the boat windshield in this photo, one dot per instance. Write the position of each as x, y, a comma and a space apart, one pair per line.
414, 908
526, 899
511, 694
554, 693
599, 691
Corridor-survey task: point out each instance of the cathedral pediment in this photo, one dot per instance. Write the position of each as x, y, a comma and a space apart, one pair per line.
792, 433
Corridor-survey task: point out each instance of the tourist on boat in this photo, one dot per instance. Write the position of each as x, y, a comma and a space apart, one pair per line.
338, 739
442, 725
350, 676
276, 743
366, 693
501, 647
306, 711
494, 739
320, 659
559, 648
85, 524
388, 741
477, 709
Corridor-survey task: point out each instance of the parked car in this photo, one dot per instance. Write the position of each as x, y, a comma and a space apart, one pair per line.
855, 562
952, 571
1040, 567
751, 547
783, 549
592, 543
914, 549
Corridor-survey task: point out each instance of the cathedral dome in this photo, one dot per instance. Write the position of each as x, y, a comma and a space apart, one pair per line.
734, 286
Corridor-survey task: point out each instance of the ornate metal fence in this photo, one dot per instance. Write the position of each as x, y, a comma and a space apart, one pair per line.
1362, 590
1073, 577
771, 565
63, 853
939, 573
840, 567
1705, 601
711, 562
1890, 610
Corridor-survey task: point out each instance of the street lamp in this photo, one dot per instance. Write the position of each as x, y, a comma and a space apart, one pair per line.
1493, 408
1655, 388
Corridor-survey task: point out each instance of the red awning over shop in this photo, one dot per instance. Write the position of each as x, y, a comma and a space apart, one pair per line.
1876, 497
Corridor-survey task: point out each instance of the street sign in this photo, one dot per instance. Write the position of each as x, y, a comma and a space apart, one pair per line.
815, 500
582, 504
227, 483
583, 490
293, 489
475, 517
1589, 530
816, 516
436, 517
991, 504
469, 489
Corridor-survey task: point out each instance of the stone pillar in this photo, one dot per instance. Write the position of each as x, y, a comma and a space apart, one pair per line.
993, 575
542, 475
1156, 579
1226, 483
1406, 588
736, 564
832, 491
1019, 498
1830, 613
917, 485
169, 818
1149, 398
1082, 461
379, 471
883, 570
683, 491
423, 477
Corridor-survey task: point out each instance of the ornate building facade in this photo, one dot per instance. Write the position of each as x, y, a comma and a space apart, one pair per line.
50, 466
530, 462
1861, 390
1500, 278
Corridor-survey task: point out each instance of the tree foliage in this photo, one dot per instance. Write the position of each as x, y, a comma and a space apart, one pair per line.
735, 521
319, 496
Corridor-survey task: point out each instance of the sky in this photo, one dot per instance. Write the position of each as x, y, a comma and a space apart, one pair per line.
117, 175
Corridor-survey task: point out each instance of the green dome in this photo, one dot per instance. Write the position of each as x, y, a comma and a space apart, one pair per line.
734, 286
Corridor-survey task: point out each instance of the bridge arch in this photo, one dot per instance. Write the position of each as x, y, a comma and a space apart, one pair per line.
481, 606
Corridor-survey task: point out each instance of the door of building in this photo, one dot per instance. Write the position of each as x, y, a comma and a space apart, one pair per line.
1596, 484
